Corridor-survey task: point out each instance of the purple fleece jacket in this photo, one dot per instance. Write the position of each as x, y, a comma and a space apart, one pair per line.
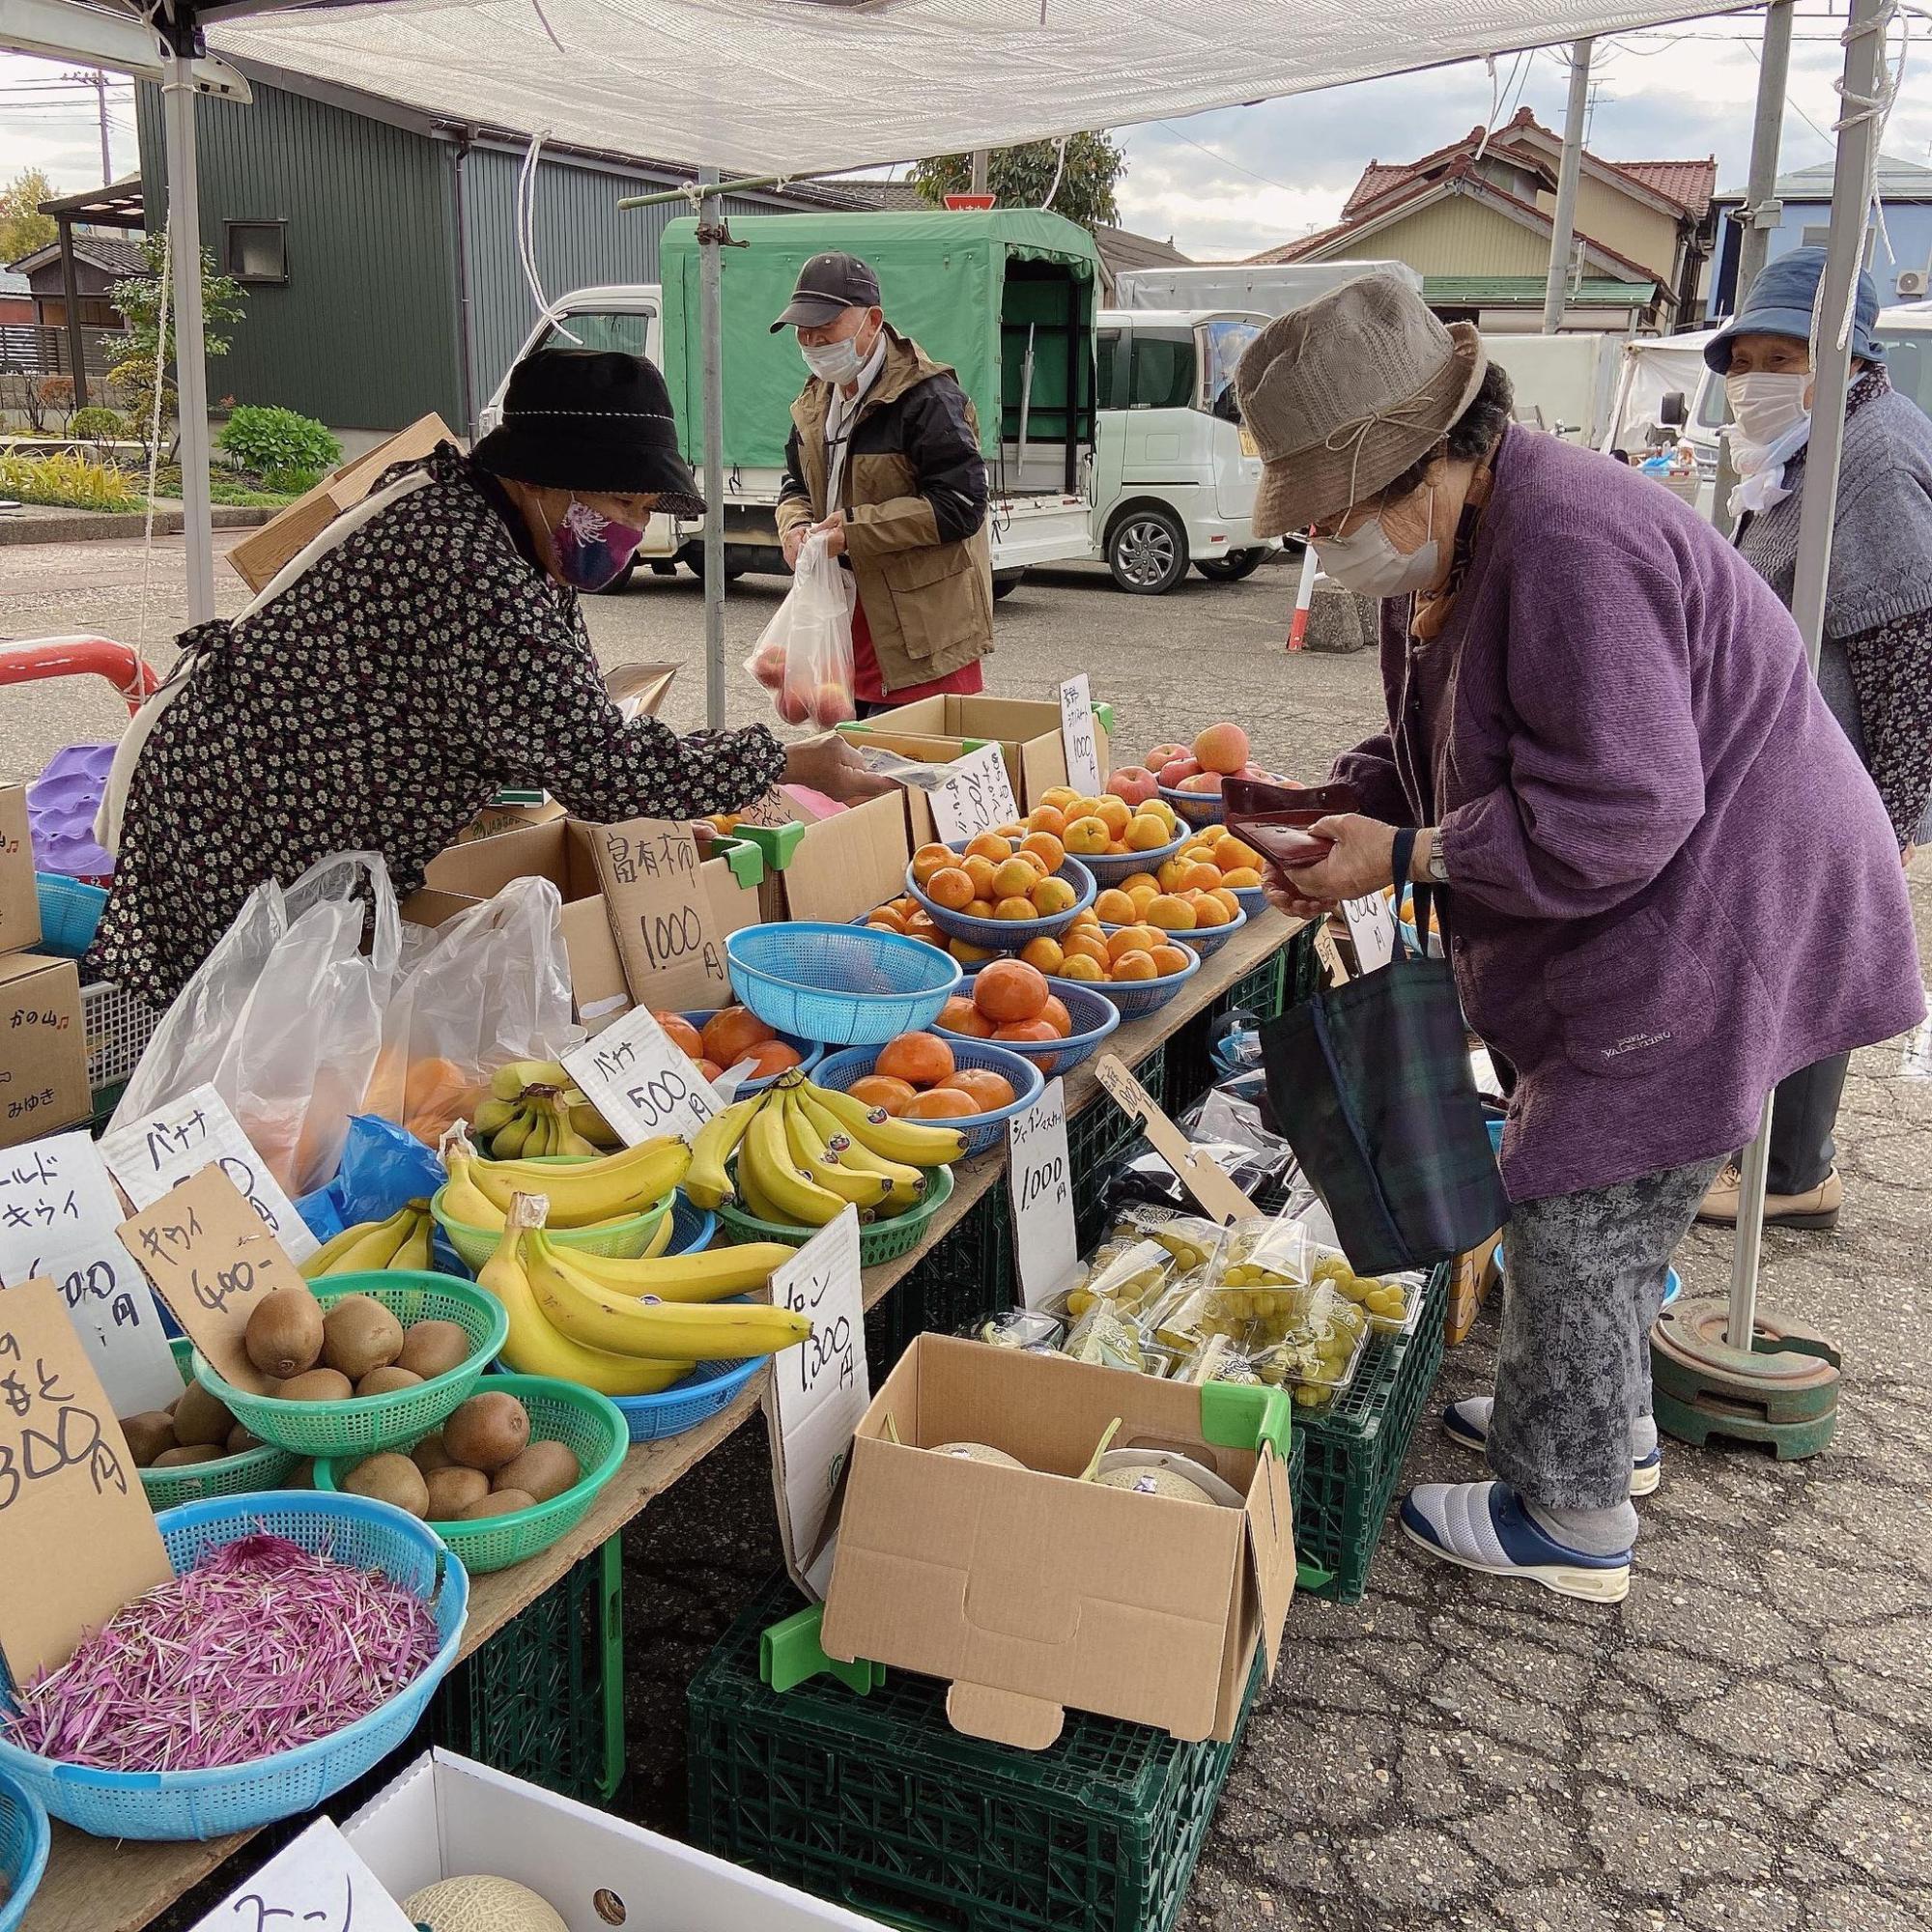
1671, 880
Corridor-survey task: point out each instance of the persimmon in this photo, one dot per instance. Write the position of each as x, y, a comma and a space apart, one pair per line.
731, 1034
681, 1034
1010, 989
986, 1088
942, 1103
920, 1058
883, 1095
960, 1016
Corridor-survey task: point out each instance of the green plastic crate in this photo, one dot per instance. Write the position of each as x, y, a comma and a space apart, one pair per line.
544, 1698
1356, 1447
877, 1803
1190, 1058
1097, 1137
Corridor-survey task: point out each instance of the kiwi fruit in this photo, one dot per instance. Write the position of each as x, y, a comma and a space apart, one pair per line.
499, 1502
452, 1490
149, 1435
316, 1385
179, 1458
429, 1454
545, 1469
433, 1348
302, 1476
385, 1382
200, 1419
389, 1478
360, 1334
284, 1333
241, 1439
487, 1431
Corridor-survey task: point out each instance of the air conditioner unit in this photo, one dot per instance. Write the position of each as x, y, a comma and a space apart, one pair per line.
1910, 284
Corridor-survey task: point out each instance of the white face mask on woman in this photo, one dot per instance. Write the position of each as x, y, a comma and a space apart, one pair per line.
1768, 405
1368, 562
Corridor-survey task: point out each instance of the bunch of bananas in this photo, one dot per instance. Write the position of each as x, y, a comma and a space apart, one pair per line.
402, 1241
630, 1327
592, 1193
804, 1152
535, 1109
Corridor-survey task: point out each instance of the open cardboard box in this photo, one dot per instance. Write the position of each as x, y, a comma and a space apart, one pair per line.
1027, 731
19, 896
832, 869
447, 1817
43, 1047
927, 751
1032, 1592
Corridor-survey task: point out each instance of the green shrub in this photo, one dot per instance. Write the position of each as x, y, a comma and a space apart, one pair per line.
291, 482
68, 481
96, 424
262, 440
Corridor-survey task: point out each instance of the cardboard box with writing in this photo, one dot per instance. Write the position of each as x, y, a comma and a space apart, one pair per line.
832, 869
927, 751
43, 1048
1031, 1591
259, 554
19, 899
1027, 730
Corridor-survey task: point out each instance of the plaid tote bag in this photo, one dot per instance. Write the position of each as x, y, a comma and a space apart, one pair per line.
1370, 1085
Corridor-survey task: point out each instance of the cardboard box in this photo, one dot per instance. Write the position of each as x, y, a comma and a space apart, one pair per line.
832, 869
19, 899
259, 554
1474, 1274
494, 820
1028, 731
919, 829
43, 1048
448, 1817
1031, 1592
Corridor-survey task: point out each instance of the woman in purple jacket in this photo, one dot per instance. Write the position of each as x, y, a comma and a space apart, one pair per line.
1670, 881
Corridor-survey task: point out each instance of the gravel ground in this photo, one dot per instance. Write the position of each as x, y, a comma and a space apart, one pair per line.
1744, 1743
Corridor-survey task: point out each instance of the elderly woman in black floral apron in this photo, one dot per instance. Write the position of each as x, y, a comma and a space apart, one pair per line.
424, 652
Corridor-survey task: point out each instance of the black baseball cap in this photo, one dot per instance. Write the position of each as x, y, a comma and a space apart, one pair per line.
828, 285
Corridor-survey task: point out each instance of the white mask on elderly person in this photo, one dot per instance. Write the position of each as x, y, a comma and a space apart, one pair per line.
1368, 562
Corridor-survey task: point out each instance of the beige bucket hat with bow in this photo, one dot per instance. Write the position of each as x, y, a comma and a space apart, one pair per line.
1342, 395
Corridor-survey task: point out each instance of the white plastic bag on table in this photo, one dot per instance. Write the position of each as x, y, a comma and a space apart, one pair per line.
804, 656
284, 1017
485, 987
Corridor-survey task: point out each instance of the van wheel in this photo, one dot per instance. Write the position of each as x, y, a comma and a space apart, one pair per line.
692, 556
1146, 550
1231, 568
1006, 582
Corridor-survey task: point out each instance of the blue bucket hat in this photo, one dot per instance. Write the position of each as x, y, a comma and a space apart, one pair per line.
1781, 301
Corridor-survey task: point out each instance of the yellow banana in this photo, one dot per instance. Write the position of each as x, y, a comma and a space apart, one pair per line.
514, 1135
722, 1332
906, 1185
800, 1200
915, 1143
709, 1276
810, 1150
534, 1347
706, 1185
594, 1190
660, 1238
564, 1137
462, 1201
414, 1253
586, 1119
508, 1082
356, 1250
753, 1197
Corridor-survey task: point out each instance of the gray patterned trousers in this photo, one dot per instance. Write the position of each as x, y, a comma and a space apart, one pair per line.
1585, 1278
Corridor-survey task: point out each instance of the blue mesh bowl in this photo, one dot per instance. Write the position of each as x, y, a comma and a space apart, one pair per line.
24, 1840
810, 1051
1252, 897
838, 1070
709, 1387
1111, 867
177, 1805
1137, 997
1093, 1014
691, 1227
1201, 939
1008, 935
1195, 807
70, 911
847, 985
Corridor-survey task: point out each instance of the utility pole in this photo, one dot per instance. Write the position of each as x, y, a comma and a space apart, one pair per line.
980, 158
1563, 226
96, 78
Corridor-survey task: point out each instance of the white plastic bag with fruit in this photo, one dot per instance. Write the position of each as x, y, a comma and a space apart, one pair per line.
804, 656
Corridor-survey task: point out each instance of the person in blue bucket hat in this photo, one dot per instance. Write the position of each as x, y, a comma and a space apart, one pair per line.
1875, 670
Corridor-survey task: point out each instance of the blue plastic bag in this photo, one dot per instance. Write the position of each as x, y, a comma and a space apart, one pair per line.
383, 1167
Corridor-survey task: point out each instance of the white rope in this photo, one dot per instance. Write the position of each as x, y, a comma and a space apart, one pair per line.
1060, 165
526, 231
1495, 108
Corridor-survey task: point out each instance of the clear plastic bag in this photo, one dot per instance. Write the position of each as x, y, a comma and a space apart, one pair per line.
1305, 1339
804, 656
485, 987
1127, 1276
284, 1017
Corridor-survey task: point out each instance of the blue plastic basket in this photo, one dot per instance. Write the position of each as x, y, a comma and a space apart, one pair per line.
1202, 939
810, 1051
24, 1838
838, 1070
1093, 1014
176, 1805
70, 912
1137, 997
1196, 808
691, 1227
1008, 935
1110, 866
1252, 897
709, 1387
847, 985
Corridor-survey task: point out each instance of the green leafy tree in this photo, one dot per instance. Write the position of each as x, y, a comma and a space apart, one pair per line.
1020, 178
23, 228
138, 298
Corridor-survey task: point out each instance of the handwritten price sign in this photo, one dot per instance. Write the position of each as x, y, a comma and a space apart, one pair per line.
976, 798
315, 1885
640, 1082
819, 1391
1076, 735
1372, 926
661, 914
1045, 1248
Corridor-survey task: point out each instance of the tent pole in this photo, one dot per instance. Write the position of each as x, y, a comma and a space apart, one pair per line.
1563, 224
1754, 234
76, 343
710, 267
1850, 199
190, 360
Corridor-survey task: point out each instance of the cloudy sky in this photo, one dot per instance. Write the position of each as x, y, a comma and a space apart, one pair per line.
1228, 184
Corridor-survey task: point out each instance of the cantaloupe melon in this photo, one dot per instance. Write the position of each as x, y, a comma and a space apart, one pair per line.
481, 1905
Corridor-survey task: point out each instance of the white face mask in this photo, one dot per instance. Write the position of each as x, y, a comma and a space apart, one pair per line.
834, 362
1367, 561
1766, 406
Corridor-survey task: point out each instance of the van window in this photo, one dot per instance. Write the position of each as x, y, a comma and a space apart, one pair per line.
1712, 405
1162, 372
1908, 356
629, 334
1106, 360
1225, 342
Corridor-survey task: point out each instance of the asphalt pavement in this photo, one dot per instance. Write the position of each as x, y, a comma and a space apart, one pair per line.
1745, 1743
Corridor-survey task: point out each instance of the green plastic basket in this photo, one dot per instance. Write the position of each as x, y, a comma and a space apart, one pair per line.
878, 1241
239, 1475
588, 1424
365, 1423
621, 1240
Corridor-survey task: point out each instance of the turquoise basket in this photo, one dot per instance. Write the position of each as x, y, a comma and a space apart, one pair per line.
24, 1840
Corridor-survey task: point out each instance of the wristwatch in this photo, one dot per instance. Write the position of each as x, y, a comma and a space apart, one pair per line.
1439, 866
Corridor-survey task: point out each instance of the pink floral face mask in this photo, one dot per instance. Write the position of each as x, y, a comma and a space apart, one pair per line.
588, 549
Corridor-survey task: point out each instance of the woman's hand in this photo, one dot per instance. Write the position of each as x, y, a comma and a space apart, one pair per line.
829, 764
1360, 860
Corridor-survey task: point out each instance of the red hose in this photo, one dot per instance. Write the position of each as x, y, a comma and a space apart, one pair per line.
26, 660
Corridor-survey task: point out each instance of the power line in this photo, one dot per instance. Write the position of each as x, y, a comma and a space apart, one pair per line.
1215, 155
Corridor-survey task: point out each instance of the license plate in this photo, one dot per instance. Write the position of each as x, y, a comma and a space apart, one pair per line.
1248, 446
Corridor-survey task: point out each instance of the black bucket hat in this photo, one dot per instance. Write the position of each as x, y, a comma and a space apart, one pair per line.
591, 420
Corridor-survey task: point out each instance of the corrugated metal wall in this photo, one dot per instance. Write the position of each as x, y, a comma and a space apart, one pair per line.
1460, 237
363, 334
